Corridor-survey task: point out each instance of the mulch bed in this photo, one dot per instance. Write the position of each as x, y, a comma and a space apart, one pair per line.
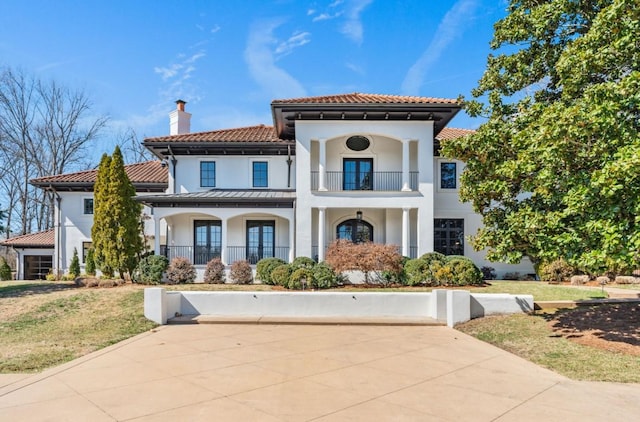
614, 327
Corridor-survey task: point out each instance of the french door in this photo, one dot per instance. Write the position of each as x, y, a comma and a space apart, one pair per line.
261, 240
358, 174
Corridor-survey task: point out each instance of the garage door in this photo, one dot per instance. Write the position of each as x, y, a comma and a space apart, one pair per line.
36, 267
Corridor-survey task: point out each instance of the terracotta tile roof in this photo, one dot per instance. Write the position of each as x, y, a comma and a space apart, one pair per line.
38, 240
148, 172
257, 134
359, 98
452, 133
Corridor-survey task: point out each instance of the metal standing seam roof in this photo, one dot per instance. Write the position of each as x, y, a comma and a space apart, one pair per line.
39, 240
224, 194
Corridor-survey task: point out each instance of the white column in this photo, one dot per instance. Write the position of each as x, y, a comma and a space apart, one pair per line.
292, 239
322, 173
321, 231
405, 166
405, 231
156, 235
223, 241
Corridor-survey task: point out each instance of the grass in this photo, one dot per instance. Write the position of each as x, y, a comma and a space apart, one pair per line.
542, 291
635, 286
530, 337
46, 324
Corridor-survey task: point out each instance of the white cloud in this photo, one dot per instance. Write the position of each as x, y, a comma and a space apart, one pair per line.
355, 68
259, 56
450, 27
168, 72
294, 41
215, 29
352, 28
311, 12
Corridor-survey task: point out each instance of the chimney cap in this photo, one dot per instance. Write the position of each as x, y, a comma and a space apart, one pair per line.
180, 104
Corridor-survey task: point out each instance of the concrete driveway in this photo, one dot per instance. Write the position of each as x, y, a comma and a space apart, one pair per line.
239, 372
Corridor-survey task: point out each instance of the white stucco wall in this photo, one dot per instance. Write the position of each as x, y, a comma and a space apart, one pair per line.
232, 172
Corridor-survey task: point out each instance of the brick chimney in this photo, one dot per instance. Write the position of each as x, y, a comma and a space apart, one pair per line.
179, 120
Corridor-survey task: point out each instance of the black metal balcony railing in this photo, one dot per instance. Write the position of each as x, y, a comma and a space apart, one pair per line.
203, 255
375, 181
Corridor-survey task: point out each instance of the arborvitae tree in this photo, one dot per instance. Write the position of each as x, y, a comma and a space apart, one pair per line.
5, 270
116, 227
74, 267
102, 217
90, 264
128, 243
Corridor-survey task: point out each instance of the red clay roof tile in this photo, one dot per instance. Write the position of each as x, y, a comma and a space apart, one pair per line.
360, 98
249, 134
40, 239
452, 133
151, 172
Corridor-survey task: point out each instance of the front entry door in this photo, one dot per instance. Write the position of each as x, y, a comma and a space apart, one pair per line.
261, 240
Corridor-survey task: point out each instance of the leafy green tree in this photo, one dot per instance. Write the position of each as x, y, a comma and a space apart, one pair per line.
116, 218
553, 171
74, 267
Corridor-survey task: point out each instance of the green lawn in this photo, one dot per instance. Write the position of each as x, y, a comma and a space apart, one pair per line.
542, 291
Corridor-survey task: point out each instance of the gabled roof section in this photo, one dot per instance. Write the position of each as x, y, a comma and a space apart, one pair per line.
148, 176
359, 106
44, 239
259, 139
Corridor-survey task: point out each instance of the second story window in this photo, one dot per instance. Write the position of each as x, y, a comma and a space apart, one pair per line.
208, 174
88, 205
260, 174
448, 176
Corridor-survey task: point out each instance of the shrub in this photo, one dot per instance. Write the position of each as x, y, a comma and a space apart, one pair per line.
90, 262
280, 275
181, 271
214, 272
463, 271
302, 278
625, 279
107, 283
556, 271
241, 272
368, 258
512, 276
603, 279
265, 267
303, 262
488, 273
50, 277
74, 267
578, 280
5, 270
324, 277
423, 270
150, 269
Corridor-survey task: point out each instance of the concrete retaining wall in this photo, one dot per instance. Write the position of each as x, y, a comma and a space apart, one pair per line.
450, 306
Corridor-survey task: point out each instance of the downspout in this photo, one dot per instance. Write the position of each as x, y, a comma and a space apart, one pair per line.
289, 162
57, 229
174, 163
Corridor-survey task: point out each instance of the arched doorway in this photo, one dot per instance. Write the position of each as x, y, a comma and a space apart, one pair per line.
355, 230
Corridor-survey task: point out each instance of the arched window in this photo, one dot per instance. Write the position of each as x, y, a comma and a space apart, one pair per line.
357, 231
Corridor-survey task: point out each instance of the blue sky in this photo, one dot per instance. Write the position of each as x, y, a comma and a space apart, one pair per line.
229, 59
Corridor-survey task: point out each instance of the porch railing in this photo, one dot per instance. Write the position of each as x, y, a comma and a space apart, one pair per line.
372, 181
202, 255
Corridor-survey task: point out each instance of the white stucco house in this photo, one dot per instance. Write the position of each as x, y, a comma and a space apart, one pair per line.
354, 166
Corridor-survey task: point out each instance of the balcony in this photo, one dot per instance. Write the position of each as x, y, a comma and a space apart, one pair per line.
385, 181
202, 255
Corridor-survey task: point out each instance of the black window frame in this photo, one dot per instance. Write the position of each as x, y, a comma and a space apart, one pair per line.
450, 182
448, 236
355, 228
88, 206
205, 174
363, 179
262, 249
85, 249
260, 177
212, 247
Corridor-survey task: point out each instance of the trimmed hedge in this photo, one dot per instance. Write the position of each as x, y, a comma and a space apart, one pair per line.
265, 267
150, 269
